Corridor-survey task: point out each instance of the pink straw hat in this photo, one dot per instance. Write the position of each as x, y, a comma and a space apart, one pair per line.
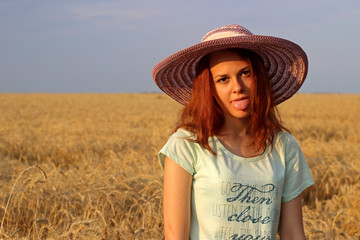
285, 62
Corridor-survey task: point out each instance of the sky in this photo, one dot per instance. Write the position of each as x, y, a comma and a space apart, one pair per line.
108, 46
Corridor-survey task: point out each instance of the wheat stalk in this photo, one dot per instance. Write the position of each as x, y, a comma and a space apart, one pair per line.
12, 189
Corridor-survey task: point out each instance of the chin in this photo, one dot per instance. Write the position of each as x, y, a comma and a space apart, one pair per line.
240, 115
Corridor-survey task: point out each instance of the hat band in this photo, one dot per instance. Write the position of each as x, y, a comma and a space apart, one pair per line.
223, 35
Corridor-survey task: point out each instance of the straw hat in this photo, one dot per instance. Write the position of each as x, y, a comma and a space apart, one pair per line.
285, 62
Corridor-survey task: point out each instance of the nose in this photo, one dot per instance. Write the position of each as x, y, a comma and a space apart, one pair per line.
237, 85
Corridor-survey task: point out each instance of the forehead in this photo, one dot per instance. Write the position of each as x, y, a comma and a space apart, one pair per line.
227, 55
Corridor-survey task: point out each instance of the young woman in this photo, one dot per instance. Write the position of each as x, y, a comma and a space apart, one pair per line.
231, 170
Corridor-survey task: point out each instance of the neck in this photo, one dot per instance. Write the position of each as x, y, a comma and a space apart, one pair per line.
236, 127
235, 135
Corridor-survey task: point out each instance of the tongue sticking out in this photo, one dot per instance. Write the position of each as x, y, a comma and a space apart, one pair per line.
241, 104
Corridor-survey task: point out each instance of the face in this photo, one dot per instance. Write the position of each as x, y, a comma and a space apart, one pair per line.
234, 81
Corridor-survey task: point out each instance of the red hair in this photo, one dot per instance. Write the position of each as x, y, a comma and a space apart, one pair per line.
204, 117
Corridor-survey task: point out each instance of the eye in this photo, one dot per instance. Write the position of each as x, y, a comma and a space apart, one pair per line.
246, 73
221, 80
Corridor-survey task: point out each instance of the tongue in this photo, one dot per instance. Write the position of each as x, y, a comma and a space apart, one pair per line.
241, 104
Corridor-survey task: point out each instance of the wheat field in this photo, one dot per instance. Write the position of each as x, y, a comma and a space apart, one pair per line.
84, 166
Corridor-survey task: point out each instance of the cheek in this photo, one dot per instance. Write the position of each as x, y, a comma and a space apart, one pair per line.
221, 93
251, 84
218, 95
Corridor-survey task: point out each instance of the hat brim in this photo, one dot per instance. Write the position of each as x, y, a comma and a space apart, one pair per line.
285, 62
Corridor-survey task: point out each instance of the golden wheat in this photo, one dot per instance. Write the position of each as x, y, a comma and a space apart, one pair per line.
103, 180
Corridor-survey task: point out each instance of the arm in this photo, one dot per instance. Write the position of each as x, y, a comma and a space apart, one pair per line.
291, 220
176, 201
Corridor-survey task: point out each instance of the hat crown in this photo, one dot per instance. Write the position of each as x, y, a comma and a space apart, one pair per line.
232, 30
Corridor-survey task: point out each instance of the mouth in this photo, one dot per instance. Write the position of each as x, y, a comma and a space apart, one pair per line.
241, 103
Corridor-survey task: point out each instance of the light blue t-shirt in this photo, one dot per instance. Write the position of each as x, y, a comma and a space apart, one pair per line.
237, 198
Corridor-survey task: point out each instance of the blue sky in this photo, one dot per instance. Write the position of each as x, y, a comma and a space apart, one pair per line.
111, 46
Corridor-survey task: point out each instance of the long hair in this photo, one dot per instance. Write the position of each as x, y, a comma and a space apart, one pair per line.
203, 116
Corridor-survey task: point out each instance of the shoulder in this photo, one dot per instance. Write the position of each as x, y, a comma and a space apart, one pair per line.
285, 139
182, 140
181, 148
286, 145
182, 137
184, 134
289, 149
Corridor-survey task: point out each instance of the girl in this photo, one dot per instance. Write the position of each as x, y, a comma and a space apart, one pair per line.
231, 170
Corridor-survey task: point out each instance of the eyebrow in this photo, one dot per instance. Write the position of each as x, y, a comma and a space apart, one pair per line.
220, 76
225, 75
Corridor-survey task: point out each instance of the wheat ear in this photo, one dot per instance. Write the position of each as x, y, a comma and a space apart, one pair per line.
12, 189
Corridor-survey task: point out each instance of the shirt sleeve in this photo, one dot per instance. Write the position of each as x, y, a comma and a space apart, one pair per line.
297, 174
180, 150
